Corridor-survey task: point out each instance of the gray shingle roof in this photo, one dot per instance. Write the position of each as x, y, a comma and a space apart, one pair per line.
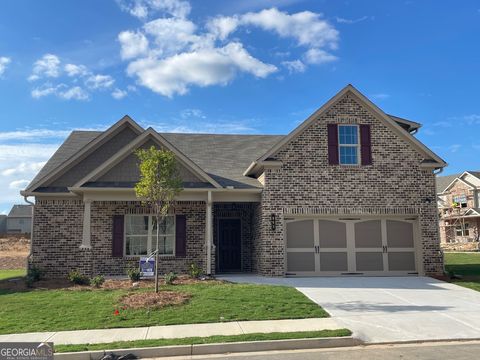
444, 181
72, 144
20, 211
224, 157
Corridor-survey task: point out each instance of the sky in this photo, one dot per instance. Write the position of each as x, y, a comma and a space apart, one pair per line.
228, 66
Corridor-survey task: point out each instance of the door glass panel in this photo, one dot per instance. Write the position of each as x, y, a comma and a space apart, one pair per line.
369, 261
333, 234
333, 261
368, 234
399, 234
301, 261
401, 261
300, 234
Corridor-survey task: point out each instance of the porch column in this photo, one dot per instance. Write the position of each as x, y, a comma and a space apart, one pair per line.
86, 225
209, 232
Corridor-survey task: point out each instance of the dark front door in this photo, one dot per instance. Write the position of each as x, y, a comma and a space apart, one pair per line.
229, 245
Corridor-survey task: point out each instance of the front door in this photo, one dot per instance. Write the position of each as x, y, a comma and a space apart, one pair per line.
229, 245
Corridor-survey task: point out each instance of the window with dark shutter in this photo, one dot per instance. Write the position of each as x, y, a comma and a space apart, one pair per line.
332, 130
117, 238
180, 236
365, 145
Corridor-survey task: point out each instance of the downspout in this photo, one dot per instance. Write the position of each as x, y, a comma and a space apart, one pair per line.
25, 198
437, 172
208, 232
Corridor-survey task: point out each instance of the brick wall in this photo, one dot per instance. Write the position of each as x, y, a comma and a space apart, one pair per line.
58, 236
306, 183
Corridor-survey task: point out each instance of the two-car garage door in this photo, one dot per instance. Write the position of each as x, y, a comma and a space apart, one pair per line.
379, 246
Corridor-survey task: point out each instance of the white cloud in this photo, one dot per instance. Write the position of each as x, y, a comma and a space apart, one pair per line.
294, 66
145, 8
380, 96
99, 81
170, 54
18, 184
192, 113
119, 94
133, 44
4, 61
318, 56
204, 67
23, 168
76, 93
44, 90
76, 70
32, 134
454, 148
341, 20
47, 66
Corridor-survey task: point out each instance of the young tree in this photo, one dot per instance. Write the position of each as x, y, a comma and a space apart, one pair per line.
158, 185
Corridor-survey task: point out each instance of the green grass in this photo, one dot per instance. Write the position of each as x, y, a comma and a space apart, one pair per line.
8, 274
467, 265
203, 340
56, 310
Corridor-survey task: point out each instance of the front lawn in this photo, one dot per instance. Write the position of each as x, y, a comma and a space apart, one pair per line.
67, 309
466, 266
9, 274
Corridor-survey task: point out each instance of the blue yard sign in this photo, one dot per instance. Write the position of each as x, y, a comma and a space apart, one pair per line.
147, 266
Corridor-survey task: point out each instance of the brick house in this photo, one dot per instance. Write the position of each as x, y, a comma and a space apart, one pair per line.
459, 207
349, 191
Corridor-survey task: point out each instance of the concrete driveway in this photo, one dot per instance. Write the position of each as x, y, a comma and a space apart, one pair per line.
390, 309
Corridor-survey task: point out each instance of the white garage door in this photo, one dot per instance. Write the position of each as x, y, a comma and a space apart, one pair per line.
351, 246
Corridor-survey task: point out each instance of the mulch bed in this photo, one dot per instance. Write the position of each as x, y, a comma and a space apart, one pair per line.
154, 300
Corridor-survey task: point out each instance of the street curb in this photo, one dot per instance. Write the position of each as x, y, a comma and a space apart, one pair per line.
220, 348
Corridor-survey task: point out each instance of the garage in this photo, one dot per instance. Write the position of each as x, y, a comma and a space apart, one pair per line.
351, 246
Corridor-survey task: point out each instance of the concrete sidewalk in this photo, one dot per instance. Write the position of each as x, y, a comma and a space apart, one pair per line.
175, 331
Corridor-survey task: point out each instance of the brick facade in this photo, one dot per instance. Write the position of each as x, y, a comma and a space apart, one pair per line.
58, 236
394, 184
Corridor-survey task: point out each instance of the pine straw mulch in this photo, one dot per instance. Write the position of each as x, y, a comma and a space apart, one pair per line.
154, 300
13, 251
109, 284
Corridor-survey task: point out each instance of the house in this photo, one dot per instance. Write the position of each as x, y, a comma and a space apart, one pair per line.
19, 220
349, 191
3, 224
459, 207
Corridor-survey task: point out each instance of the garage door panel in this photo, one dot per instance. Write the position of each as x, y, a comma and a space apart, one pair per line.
401, 261
369, 261
333, 234
333, 261
300, 234
368, 234
301, 261
399, 234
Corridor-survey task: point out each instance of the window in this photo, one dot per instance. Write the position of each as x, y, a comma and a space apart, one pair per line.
461, 200
348, 144
462, 230
141, 235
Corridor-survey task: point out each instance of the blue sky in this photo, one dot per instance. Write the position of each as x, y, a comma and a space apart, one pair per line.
252, 66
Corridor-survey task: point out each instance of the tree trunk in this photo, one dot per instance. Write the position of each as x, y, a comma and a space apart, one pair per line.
156, 255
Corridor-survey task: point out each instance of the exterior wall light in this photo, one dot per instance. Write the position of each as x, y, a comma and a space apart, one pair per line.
273, 222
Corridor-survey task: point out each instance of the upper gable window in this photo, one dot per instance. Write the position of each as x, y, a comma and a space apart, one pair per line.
348, 144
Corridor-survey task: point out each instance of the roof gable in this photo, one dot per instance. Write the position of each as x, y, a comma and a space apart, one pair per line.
124, 131
463, 178
189, 170
429, 155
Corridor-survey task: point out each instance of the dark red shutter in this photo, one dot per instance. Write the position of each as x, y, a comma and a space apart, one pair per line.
332, 130
180, 235
366, 144
117, 239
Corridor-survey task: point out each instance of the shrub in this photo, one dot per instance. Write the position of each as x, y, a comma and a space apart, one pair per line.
170, 278
97, 281
34, 274
134, 274
77, 278
195, 271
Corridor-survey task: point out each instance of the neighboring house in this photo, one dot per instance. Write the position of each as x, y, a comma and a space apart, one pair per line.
19, 220
349, 191
459, 207
3, 224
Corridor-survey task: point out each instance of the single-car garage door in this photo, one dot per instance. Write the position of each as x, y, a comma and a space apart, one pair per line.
379, 246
